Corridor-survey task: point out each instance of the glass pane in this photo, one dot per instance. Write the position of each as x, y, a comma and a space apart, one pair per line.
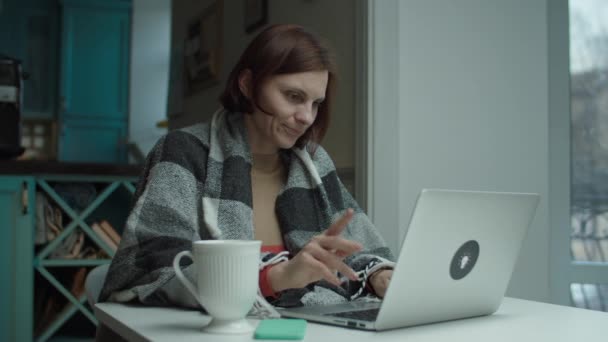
589, 120
590, 296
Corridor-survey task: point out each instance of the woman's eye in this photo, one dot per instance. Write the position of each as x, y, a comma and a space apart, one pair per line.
294, 97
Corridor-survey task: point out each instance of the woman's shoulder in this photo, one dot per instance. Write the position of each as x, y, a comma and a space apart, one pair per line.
190, 137
186, 148
317, 153
196, 132
321, 158
191, 142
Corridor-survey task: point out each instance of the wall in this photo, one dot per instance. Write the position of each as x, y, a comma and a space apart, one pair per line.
149, 70
319, 16
471, 86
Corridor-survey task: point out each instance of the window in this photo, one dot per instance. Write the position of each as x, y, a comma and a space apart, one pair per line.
589, 144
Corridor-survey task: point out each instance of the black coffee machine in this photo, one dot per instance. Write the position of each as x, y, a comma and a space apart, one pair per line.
11, 103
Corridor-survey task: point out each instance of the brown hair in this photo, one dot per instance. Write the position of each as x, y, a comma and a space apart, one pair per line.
283, 49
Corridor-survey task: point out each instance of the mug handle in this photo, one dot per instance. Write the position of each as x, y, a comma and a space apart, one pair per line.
182, 278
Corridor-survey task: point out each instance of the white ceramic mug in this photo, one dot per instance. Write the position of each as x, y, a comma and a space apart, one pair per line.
227, 274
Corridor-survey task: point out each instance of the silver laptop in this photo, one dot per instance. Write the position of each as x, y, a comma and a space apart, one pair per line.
455, 262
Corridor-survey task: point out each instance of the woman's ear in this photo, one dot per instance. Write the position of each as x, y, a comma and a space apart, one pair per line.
245, 83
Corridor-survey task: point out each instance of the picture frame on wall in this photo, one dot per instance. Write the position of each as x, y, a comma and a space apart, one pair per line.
256, 14
203, 50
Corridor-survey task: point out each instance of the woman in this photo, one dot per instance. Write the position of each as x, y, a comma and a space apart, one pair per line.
256, 171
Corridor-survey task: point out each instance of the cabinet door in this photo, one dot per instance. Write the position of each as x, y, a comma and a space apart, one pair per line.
40, 60
94, 82
101, 141
11, 29
16, 257
29, 32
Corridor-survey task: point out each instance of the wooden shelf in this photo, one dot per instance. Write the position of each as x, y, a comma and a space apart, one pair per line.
43, 260
72, 262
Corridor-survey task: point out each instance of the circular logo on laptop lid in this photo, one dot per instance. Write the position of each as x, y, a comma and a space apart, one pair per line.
464, 260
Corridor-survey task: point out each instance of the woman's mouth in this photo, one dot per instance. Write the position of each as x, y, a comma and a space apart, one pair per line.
292, 131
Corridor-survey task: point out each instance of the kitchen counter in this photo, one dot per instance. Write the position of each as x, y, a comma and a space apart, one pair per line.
38, 167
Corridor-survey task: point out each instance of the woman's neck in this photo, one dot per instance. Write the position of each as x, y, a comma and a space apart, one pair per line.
266, 163
257, 143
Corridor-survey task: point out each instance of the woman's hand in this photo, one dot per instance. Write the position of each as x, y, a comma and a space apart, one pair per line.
319, 259
380, 280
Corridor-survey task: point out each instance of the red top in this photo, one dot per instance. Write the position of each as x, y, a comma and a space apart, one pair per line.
276, 249
265, 287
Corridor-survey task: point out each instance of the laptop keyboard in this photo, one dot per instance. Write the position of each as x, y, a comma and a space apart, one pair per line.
362, 315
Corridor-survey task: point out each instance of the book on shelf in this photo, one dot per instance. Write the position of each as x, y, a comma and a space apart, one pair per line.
107, 227
69, 247
78, 282
104, 236
52, 305
76, 247
49, 220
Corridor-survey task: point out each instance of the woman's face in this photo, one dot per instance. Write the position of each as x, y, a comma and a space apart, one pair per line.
293, 101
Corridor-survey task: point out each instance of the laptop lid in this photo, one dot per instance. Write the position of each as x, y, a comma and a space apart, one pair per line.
455, 261
457, 256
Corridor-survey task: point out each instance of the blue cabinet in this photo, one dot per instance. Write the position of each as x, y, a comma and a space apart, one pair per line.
22, 265
94, 82
29, 32
93, 140
16, 257
76, 53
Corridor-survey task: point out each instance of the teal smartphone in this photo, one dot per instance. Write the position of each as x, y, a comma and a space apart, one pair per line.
280, 329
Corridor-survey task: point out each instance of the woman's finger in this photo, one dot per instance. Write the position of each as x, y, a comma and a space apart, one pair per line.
338, 245
337, 227
332, 262
325, 272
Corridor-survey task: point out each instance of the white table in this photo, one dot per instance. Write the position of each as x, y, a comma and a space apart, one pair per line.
516, 321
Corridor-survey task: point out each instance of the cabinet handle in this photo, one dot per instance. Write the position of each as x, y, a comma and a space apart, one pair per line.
24, 199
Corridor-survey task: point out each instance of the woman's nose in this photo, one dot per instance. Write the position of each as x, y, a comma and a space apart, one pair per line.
306, 115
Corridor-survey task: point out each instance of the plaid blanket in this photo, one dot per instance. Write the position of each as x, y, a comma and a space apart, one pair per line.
196, 184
